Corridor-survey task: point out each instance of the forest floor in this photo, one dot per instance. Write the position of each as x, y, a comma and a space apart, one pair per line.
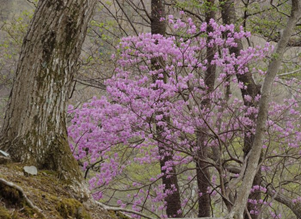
43, 196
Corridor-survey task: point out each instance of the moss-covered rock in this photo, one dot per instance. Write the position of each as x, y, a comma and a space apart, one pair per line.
71, 207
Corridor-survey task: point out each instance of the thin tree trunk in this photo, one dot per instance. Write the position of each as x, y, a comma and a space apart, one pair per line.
252, 90
34, 130
203, 176
274, 65
202, 169
170, 180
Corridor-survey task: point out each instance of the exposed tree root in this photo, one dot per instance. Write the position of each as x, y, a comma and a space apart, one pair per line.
18, 188
122, 210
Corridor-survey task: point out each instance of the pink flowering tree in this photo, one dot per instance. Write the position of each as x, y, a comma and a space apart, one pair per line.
114, 137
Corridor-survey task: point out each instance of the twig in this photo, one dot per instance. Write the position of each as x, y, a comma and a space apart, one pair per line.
289, 73
31, 2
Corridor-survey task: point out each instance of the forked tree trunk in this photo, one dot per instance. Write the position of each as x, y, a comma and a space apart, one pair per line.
173, 200
273, 68
228, 17
34, 130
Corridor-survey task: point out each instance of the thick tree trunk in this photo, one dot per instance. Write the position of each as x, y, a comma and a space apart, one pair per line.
228, 17
170, 180
34, 130
202, 169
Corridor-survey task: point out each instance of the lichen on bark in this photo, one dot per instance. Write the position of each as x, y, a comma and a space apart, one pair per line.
34, 130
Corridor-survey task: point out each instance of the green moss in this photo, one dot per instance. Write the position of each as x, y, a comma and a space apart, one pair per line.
117, 215
121, 216
48, 172
4, 213
52, 195
16, 167
72, 208
13, 198
30, 212
112, 214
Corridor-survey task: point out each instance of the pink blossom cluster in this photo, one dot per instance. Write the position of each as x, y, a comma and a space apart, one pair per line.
118, 131
298, 199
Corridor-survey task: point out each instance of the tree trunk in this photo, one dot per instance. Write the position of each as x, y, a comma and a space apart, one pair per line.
228, 17
274, 66
170, 180
202, 169
203, 176
34, 130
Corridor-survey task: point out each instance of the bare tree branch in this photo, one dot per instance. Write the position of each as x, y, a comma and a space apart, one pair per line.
281, 198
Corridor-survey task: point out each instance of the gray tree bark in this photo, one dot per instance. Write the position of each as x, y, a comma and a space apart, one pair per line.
202, 169
252, 90
252, 161
281, 198
34, 130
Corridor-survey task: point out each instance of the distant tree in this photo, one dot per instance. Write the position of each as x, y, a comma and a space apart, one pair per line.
172, 96
141, 97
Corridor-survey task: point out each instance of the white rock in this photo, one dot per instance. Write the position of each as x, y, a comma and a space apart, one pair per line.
30, 170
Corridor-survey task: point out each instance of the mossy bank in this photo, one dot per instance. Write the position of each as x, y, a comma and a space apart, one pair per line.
52, 197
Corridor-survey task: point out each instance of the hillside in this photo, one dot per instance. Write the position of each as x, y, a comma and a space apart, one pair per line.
43, 196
